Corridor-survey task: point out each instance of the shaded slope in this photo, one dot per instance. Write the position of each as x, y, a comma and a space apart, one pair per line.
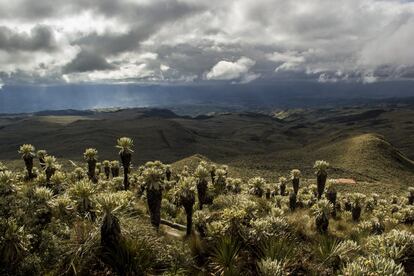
157, 134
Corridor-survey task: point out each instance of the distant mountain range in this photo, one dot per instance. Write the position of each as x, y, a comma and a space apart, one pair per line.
201, 99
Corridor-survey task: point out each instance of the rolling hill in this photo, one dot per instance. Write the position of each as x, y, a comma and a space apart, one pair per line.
370, 155
367, 144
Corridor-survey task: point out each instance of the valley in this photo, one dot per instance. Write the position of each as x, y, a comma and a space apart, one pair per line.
363, 143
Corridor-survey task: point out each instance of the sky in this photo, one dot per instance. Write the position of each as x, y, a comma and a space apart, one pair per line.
47, 42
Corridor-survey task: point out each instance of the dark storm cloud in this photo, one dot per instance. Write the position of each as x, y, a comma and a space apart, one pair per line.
87, 61
145, 21
27, 10
151, 12
113, 43
40, 38
129, 11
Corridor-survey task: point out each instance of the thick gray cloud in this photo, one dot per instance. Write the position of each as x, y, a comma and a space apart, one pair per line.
113, 43
40, 38
143, 21
233, 41
87, 61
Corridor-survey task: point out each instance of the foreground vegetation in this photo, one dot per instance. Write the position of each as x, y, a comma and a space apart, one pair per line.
153, 220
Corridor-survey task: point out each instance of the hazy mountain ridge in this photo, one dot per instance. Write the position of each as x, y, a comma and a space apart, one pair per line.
200, 99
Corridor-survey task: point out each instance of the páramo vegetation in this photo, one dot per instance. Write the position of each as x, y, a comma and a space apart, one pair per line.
112, 218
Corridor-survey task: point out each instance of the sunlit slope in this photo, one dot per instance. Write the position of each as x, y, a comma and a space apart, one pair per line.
369, 155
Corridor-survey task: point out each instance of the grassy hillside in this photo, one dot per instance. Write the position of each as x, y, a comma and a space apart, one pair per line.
369, 155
